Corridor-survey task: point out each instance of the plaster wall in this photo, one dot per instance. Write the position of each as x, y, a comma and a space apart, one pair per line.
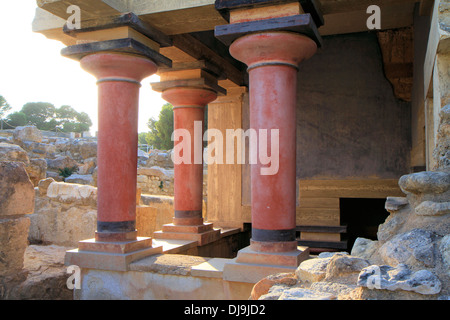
349, 123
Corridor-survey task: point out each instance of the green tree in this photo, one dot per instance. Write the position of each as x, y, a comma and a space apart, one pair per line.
160, 135
4, 107
45, 116
71, 120
143, 137
16, 119
39, 114
66, 113
84, 122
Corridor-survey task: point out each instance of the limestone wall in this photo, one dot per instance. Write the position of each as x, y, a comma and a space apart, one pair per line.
16, 201
66, 213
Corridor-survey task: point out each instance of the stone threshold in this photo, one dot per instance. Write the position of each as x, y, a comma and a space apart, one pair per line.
171, 261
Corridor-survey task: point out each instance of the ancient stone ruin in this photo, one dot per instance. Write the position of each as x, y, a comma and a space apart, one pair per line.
358, 112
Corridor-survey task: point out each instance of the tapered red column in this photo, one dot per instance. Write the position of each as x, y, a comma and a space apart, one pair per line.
116, 243
272, 59
119, 79
189, 104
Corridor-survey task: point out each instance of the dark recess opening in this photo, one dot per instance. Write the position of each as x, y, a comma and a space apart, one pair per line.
362, 217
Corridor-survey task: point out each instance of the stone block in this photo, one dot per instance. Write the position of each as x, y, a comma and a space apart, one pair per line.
16, 190
431, 208
61, 163
201, 238
84, 179
399, 278
263, 286
394, 204
251, 273
426, 182
415, 247
37, 170
107, 260
72, 193
115, 247
27, 133
13, 243
12, 152
287, 259
43, 186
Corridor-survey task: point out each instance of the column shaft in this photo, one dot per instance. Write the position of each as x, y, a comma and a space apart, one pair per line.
188, 182
272, 107
117, 156
119, 79
189, 104
272, 59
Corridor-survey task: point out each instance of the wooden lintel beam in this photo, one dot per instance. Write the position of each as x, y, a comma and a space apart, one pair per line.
199, 51
132, 46
309, 6
90, 9
302, 24
199, 64
177, 17
128, 19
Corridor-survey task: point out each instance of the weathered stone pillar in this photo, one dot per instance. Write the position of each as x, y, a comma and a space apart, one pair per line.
272, 47
119, 64
189, 91
16, 200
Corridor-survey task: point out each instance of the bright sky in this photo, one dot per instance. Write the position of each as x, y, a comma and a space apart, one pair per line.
32, 69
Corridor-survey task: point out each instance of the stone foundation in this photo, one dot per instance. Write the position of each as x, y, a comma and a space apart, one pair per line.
17, 200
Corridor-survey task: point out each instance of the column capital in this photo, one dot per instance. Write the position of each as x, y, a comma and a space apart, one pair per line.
123, 34
182, 85
189, 96
301, 23
118, 67
273, 48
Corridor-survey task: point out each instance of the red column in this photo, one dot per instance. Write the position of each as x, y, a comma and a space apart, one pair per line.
272, 59
189, 104
119, 77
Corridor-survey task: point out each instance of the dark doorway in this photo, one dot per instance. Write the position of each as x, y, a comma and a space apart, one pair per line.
362, 217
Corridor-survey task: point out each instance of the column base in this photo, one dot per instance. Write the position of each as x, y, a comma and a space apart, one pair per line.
117, 256
203, 234
252, 266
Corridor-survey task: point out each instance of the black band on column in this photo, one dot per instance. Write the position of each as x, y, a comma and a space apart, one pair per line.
273, 235
120, 226
188, 214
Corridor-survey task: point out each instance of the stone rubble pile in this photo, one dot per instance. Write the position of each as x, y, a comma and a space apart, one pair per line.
409, 260
75, 160
43, 214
